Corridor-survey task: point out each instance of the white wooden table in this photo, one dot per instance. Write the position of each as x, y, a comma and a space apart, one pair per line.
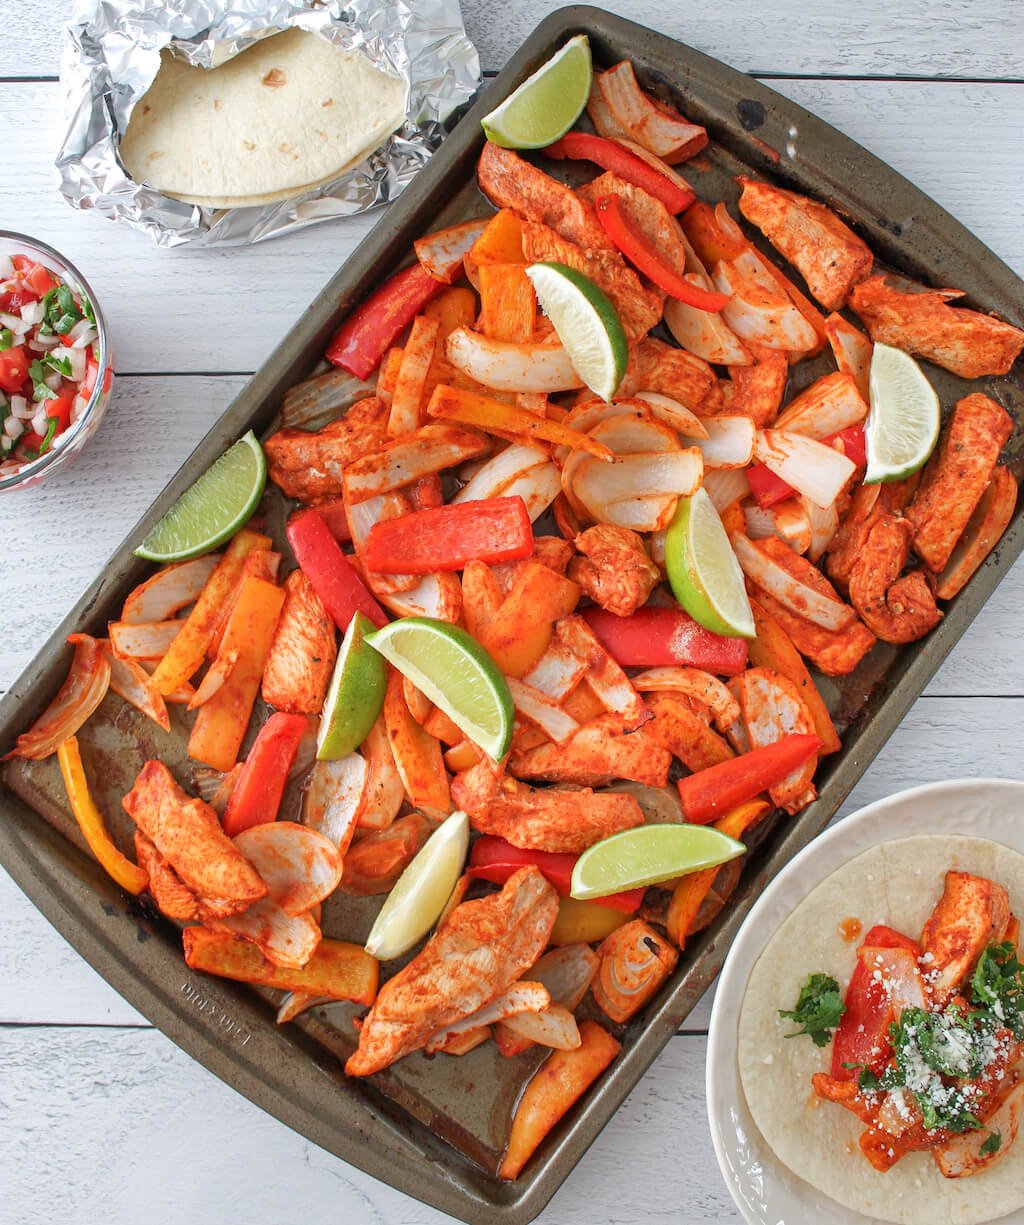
101, 1117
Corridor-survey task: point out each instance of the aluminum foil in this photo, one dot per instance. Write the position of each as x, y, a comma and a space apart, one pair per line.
111, 55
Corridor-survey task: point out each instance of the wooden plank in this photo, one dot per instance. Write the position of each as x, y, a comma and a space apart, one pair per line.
965, 38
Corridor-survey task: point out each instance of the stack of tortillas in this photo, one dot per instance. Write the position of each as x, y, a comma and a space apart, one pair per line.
289, 113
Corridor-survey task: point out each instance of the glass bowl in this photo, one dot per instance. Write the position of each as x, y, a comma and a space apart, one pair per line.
73, 439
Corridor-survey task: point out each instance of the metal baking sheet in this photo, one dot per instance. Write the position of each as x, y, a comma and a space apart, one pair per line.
435, 1128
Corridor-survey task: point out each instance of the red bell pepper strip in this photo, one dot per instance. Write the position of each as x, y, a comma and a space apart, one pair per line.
366, 335
641, 252
14, 365
495, 860
711, 793
862, 1039
447, 537
256, 796
333, 577
582, 146
768, 489
653, 637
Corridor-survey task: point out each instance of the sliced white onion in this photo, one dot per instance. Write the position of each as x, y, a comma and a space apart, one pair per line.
763, 316
648, 476
558, 725
54, 380
506, 366
554, 1026
611, 686
13, 428
384, 793
852, 351
430, 449
704, 333
442, 252
729, 442
43, 344
830, 404
494, 474
538, 487
169, 590
82, 334
520, 997
286, 940
435, 595
789, 591
557, 672
295, 1003
760, 523
674, 414
664, 134
300, 866
361, 518
631, 431
21, 407
336, 791
786, 520
725, 486
811, 468
567, 973
14, 323
32, 312
823, 522
216, 677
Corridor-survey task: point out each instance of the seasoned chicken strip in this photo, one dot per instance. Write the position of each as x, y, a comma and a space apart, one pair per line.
971, 914
639, 308
657, 366
165, 887
477, 953
756, 391
188, 835
824, 250
773, 708
511, 182
301, 660
964, 341
599, 752
867, 505
956, 477
552, 819
645, 213
895, 609
309, 466
614, 570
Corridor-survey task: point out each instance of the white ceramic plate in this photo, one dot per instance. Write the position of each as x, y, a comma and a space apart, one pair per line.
767, 1192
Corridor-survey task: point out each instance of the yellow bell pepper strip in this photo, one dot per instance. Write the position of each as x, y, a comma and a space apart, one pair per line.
188, 650
635, 961
90, 820
337, 969
417, 754
518, 634
223, 719
773, 648
505, 420
508, 303
558, 1084
691, 890
581, 922
84, 688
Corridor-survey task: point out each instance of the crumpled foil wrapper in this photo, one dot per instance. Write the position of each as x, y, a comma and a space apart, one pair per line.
111, 55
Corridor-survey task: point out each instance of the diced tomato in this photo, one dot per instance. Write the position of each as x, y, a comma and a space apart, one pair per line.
14, 364
61, 409
39, 280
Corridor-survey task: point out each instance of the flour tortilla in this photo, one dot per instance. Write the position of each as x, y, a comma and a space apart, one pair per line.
897, 883
290, 112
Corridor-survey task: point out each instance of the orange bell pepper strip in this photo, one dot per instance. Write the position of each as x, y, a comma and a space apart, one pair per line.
256, 795
508, 304
481, 597
90, 820
223, 719
711, 793
519, 632
505, 420
188, 650
337, 969
501, 242
558, 1084
773, 648
455, 308
417, 754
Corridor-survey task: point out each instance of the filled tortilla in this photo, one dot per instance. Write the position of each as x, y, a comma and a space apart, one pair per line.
898, 884
291, 111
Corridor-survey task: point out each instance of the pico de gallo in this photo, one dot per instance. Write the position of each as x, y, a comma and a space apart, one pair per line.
49, 359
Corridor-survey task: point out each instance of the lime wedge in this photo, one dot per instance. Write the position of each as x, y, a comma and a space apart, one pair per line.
703, 571
456, 673
903, 425
422, 891
647, 855
216, 506
356, 694
587, 325
547, 103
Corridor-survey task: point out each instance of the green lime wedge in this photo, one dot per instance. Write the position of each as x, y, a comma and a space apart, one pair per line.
456, 673
356, 695
216, 506
547, 103
703, 571
903, 425
421, 893
648, 855
587, 325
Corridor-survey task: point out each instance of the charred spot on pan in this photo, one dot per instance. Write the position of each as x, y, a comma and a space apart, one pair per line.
751, 114
894, 227
275, 78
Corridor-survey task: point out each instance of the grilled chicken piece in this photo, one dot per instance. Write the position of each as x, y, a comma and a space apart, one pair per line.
961, 1155
681, 730
188, 835
173, 898
510, 182
302, 654
309, 466
479, 951
824, 250
614, 570
657, 366
971, 914
756, 391
867, 505
639, 308
772, 708
551, 819
964, 341
956, 477
599, 752
895, 609
645, 213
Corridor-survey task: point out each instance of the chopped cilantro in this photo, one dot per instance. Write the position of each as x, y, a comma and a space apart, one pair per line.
61, 364
992, 1144
37, 372
997, 987
6, 339
819, 1009
87, 309
60, 311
